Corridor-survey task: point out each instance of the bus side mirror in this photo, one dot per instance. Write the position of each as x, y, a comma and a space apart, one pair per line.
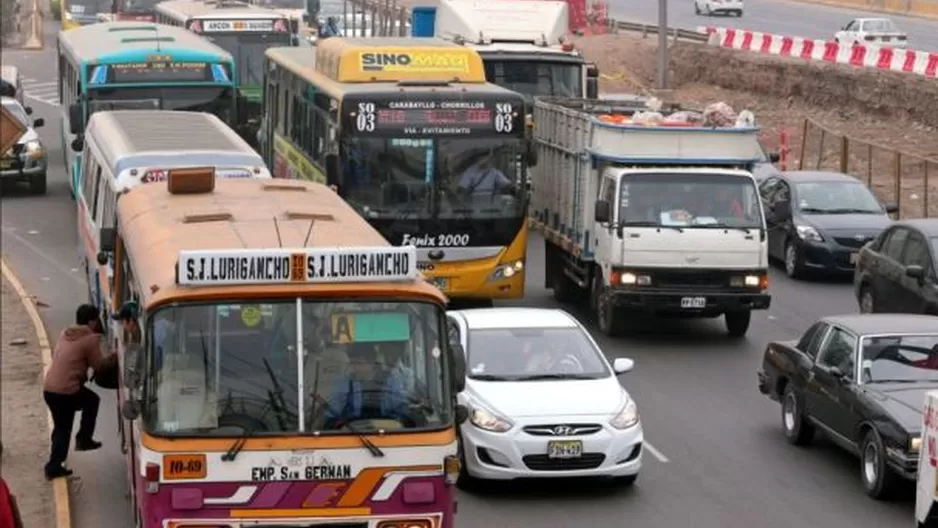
133, 354
130, 410
108, 237
459, 367
332, 169
75, 118
78, 144
530, 153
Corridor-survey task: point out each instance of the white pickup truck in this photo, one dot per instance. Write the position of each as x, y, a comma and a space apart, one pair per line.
657, 219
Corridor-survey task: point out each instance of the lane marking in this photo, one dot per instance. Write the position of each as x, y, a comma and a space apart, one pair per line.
63, 514
657, 454
52, 261
41, 91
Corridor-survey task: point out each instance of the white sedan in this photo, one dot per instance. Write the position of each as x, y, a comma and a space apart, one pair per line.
872, 32
718, 7
542, 399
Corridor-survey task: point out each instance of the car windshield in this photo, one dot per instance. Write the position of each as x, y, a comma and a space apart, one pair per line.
900, 358
248, 52
836, 198
536, 78
880, 26
233, 368
12, 106
422, 178
689, 200
520, 354
211, 99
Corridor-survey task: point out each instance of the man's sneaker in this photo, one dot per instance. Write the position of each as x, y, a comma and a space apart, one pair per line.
86, 445
54, 473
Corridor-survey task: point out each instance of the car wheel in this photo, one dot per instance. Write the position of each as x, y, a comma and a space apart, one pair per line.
867, 301
794, 267
737, 323
797, 429
465, 481
37, 184
877, 478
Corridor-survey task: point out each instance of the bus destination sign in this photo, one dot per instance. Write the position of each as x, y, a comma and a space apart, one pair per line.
147, 72
239, 26
434, 118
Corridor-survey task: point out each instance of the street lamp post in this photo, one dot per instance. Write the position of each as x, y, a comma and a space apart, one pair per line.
662, 44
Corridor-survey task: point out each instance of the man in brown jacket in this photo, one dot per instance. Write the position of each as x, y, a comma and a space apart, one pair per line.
77, 350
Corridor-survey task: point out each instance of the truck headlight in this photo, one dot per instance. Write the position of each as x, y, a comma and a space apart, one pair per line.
626, 417
808, 233
631, 279
489, 421
507, 270
915, 443
749, 281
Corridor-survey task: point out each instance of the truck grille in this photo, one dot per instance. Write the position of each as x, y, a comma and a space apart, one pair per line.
690, 279
543, 463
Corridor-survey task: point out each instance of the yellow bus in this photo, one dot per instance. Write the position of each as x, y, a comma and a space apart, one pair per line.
413, 137
267, 313
75, 13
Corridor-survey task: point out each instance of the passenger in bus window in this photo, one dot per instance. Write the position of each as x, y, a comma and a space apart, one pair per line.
366, 393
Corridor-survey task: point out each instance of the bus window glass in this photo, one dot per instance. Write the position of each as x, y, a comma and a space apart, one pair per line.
481, 177
210, 99
536, 79
248, 52
389, 176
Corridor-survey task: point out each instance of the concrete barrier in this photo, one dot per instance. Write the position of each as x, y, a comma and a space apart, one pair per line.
913, 8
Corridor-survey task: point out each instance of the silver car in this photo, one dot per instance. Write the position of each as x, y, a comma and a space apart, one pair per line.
26, 160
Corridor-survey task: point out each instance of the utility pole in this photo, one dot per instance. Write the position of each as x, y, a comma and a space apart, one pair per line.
34, 38
663, 44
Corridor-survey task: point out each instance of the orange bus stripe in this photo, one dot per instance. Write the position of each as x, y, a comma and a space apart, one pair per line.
366, 481
304, 512
207, 445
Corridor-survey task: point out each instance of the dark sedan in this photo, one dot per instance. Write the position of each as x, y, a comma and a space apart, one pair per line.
861, 380
898, 272
818, 221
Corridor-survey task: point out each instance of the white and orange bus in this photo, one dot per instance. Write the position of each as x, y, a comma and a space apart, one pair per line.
265, 308
125, 148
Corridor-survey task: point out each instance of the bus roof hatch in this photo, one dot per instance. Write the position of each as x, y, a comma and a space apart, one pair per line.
397, 59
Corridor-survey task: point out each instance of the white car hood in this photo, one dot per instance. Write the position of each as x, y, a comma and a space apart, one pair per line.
548, 398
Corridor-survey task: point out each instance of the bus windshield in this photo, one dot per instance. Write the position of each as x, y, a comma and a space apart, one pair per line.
248, 52
211, 99
233, 368
536, 78
425, 178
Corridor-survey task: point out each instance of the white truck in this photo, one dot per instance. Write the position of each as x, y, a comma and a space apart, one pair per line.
522, 43
926, 487
657, 219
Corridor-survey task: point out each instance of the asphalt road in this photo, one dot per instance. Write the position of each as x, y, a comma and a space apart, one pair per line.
720, 460
798, 19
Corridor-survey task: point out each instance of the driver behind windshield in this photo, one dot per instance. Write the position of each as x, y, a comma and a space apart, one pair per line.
367, 392
483, 177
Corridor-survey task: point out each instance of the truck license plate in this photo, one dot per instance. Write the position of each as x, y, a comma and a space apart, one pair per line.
565, 449
853, 258
693, 302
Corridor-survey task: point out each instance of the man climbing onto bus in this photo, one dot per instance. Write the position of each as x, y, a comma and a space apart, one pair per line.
365, 393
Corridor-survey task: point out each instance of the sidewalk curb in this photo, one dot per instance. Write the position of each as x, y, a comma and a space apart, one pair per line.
63, 514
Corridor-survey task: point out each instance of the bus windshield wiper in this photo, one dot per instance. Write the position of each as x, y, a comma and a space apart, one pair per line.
648, 223
369, 445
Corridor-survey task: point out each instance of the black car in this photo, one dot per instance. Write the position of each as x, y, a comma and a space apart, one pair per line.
861, 380
898, 271
818, 221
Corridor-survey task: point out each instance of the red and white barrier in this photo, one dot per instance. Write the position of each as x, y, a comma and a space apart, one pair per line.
882, 58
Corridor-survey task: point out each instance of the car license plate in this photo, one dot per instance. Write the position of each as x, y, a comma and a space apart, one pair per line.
6, 164
565, 449
440, 282
853, 258
693, 302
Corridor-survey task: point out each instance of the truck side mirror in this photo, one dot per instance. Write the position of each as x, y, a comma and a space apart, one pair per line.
774, 157
601, 213
592, 88
530, 153
75, 119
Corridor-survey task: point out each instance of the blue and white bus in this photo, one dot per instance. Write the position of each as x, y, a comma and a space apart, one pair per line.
134, 65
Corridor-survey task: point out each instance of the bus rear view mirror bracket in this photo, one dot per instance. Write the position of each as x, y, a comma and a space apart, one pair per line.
78, 144
75, 119
332, 169
130, 410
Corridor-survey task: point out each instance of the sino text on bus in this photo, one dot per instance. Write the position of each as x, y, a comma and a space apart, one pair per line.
242, 392
414, 138
132, 65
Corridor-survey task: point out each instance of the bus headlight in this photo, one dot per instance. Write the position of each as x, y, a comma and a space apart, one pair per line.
507, 270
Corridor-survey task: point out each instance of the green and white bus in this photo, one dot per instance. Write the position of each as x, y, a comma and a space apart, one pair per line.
243, 30
139, 65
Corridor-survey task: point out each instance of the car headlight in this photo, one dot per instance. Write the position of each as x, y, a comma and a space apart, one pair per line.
808, 233
507, 270
33, 149
915, 443
489, 421
626, 417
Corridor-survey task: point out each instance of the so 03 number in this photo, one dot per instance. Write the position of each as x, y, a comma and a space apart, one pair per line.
504, 118
365, 120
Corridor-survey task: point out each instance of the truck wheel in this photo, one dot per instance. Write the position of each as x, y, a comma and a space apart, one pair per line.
737, 323
878, 480
609, 318
562, 285
797, 429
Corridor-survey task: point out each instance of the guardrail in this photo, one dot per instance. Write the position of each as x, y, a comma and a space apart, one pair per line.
675, 33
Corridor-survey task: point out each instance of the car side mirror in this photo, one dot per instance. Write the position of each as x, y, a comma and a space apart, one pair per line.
892, 208
601, 213
458, 356
623, 365
133, 357
775, 157
39, 122
915, 272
